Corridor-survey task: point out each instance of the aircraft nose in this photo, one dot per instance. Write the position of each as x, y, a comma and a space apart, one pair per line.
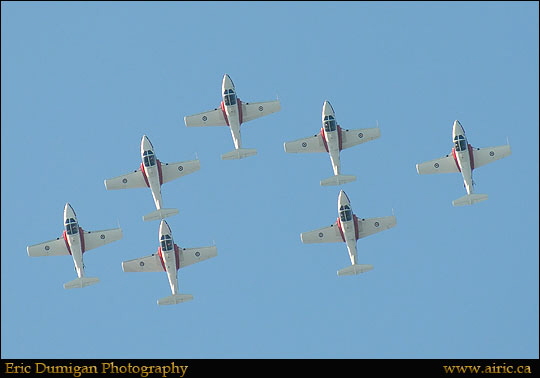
343, 199
164, 228
68, 211
327, 109
457, 129
227, 82
146, 144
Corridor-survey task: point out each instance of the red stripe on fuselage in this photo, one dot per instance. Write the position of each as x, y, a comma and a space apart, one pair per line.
471, 156
159, 172
161, 259
177, 256
323, 135
144, 175
340, 139
81, 233
64, 235
224, 113
455, 159
240, 114
338, 222
356, 231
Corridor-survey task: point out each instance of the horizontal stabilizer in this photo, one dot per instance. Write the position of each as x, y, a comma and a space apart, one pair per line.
470, 199
338, 180
174, 299
81, 282
160, 214
354, 269
239, 153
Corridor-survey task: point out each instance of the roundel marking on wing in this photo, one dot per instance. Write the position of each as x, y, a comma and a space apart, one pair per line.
197, 253
102, 236
304, 144
321, 234
204, 118
261, 108
436, 165
376, 224
360, 135
124, 180
47, 247
491, 153
180, 168
141, 263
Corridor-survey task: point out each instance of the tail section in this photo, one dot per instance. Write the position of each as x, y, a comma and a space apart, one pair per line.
160, 214
338, 180
239, 153
354, 269
470, 199
81, 282
174, 299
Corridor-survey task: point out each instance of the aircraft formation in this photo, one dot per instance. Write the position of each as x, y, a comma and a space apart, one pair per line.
232, 112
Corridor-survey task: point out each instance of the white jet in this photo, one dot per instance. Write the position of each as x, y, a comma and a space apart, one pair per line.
464, 158
75, 241
169, 258
152, 174
349, 228
332, 139
233, 112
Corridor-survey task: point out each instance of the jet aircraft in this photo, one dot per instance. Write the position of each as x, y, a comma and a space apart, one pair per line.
349, 228
152, 174
464, 158
75, 241
233, 112
332, 139
170, 258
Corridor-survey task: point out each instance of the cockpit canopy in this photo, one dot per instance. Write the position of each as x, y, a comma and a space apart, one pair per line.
72, 228
149, 158
329, 123
460, 143
345, 213
229, 97
166, 243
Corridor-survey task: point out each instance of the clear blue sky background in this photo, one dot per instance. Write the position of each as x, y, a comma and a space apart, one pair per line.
81, 84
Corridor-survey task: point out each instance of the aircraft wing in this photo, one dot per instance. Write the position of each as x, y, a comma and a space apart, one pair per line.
483, 156
150, 263
310, 144
370, 226
190, 256
94, 239
134, 179
210, 118
56, 247
351, 138
171, 171
252, 110
446, 164
330, 234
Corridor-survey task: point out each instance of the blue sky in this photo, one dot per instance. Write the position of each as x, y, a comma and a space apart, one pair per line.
81, 84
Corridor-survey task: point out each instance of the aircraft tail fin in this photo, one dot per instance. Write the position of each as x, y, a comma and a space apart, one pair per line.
160, 214
81, 282
338, 180
174, 299
354, 269
470, 199
239, 153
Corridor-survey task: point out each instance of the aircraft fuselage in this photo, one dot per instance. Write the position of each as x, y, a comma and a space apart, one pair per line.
151, 169
331, 134
168, 255
348, 225
231, 106
463, 156
74, 238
